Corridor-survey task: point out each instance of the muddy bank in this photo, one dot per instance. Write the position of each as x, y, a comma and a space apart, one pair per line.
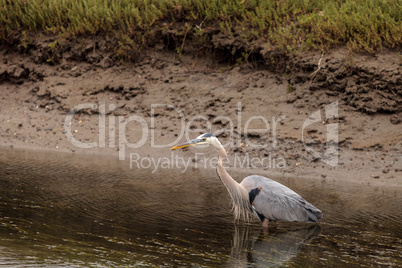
196, 93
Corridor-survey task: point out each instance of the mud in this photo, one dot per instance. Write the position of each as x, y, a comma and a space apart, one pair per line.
40, 83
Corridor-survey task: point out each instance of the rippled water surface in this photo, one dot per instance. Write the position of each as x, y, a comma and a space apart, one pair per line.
79, 211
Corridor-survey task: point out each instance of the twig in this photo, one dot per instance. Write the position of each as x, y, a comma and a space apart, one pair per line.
184, 39
313, 75
199, 26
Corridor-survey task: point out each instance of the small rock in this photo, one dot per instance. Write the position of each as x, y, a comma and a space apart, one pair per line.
253, 135
291, 98
20, 124
395, 119
106, 62
332, 93
48, 129
385, 170
89, 47
21, 72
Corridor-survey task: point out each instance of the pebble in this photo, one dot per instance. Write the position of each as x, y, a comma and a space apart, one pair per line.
395, 119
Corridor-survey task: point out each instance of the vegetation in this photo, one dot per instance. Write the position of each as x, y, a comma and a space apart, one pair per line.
286, 25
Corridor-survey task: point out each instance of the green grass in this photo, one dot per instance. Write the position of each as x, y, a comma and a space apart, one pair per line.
286, 25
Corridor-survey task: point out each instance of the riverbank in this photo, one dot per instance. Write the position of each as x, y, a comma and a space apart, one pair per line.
278, 124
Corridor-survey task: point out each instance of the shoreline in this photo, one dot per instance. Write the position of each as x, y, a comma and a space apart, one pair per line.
249, 109
308, 173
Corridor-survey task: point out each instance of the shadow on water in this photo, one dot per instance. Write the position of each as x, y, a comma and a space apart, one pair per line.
64, 210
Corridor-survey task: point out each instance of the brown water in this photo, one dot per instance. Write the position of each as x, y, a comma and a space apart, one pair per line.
78, 211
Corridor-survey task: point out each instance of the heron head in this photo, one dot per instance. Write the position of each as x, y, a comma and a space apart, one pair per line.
204, 139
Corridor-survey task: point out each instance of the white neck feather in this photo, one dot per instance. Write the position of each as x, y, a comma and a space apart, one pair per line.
240, 199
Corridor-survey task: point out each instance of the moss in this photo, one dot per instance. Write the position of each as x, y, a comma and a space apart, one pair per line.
290, 88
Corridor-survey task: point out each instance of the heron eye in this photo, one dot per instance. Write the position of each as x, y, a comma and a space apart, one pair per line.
204, 139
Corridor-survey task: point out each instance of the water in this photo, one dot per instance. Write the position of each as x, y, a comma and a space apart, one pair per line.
61, 210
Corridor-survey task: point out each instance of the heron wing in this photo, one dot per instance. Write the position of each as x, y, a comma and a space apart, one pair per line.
277, 202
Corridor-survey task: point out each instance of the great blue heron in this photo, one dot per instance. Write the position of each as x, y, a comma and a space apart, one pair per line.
266, 199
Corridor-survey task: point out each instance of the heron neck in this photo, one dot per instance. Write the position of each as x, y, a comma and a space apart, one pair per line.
239, 194
225, 177
227, 180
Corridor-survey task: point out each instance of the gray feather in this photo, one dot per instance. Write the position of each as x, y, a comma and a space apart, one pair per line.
277, 202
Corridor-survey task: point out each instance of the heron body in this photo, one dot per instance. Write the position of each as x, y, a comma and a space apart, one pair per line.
276, 202
256, 195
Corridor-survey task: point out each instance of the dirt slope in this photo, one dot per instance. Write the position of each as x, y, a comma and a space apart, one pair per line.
203, 94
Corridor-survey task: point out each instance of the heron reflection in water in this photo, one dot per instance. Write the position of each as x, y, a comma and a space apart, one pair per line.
253, 247
264, 198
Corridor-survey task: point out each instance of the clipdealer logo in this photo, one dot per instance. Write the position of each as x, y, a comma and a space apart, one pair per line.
107, 135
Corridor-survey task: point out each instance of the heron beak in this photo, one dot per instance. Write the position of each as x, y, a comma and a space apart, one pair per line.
187, 144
